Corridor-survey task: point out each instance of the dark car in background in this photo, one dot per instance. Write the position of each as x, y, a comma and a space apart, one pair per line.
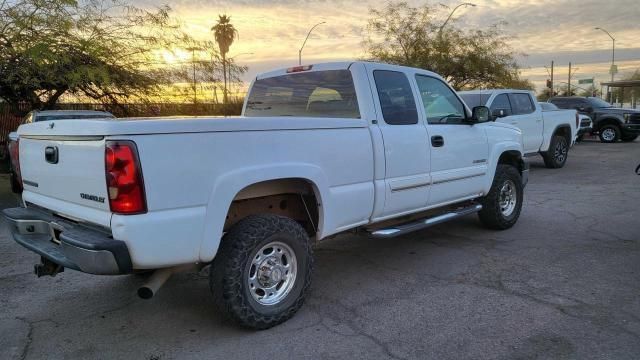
36, 116
610, 123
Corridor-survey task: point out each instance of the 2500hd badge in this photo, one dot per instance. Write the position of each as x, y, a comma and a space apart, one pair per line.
95, 198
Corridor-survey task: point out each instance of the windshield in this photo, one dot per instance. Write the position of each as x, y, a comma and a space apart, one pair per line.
328, 93
599, 103
473, 100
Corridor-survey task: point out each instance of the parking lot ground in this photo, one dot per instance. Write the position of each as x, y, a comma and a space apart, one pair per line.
564, 283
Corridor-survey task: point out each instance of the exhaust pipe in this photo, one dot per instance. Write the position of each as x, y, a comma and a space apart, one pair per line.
158, 278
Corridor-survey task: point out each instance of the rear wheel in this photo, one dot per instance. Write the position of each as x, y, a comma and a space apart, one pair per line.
629, 138
579, 138
556, 156
609, 133
262, 271
502, 205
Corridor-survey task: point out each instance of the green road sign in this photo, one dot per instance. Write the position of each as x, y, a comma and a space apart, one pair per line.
613, 70
585, 81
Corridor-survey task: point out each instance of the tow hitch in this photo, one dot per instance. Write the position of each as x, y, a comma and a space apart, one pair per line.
47, 267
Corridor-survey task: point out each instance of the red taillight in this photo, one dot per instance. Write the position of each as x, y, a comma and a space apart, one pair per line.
124, 178
14, 151
299, 69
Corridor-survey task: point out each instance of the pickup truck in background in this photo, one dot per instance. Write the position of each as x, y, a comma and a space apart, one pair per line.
319, 150
586, 125
549, 134
610, 123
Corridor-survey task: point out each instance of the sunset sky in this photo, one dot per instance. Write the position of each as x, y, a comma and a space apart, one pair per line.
545, 30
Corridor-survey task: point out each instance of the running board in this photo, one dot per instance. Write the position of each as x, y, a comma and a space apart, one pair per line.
424, 223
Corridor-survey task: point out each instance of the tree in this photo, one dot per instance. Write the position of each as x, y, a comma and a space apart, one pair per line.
415, 36
104, 50
204, 68
589, 91
224, 33
564, 91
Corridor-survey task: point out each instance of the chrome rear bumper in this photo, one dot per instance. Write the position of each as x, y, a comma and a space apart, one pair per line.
68, 244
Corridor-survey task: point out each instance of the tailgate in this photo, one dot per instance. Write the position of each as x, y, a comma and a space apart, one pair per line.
71, 169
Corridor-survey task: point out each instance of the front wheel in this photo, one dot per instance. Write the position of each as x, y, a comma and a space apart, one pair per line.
609, 134
556, 157
502, 205
262, 271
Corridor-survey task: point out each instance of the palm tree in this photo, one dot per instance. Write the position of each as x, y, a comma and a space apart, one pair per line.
224, 34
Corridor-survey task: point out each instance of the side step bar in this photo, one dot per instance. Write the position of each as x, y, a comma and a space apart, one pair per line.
424, 223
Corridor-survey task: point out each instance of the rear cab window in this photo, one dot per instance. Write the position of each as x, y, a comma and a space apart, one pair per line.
396, 97
473, 100
501, 103
327, 93
521, 104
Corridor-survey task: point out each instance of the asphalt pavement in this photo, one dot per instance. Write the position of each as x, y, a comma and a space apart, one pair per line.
564, 283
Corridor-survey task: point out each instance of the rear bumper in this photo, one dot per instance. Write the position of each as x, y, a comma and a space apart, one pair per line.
80, 248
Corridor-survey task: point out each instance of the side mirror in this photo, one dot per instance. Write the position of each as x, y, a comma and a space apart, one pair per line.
498, 113
480, 114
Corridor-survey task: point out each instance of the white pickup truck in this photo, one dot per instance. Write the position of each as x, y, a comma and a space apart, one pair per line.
319, 150
548, 133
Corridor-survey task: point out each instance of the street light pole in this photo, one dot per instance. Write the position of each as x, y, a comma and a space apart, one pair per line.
613, 59
451, 14
305, 41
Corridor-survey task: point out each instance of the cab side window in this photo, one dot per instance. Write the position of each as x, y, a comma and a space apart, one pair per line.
441, 104
501, 103
521, 104
396, 98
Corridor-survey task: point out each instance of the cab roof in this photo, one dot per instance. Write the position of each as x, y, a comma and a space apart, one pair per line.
342, 65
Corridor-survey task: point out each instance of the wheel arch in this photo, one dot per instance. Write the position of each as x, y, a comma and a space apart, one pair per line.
260, 183
607, 121
508, 152
564, 131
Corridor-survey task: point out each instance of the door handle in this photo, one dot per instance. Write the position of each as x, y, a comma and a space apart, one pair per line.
437, 141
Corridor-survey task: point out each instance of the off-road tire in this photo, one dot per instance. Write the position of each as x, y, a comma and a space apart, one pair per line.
603, 131
557, 154
229, 271
491, 214
629, 138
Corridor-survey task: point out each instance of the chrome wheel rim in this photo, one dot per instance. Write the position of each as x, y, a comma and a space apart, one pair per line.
608, 134
508, 198
560, 151
272, 273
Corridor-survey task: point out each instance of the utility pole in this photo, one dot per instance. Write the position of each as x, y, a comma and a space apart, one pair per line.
193, 62
552, 94
569, 82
